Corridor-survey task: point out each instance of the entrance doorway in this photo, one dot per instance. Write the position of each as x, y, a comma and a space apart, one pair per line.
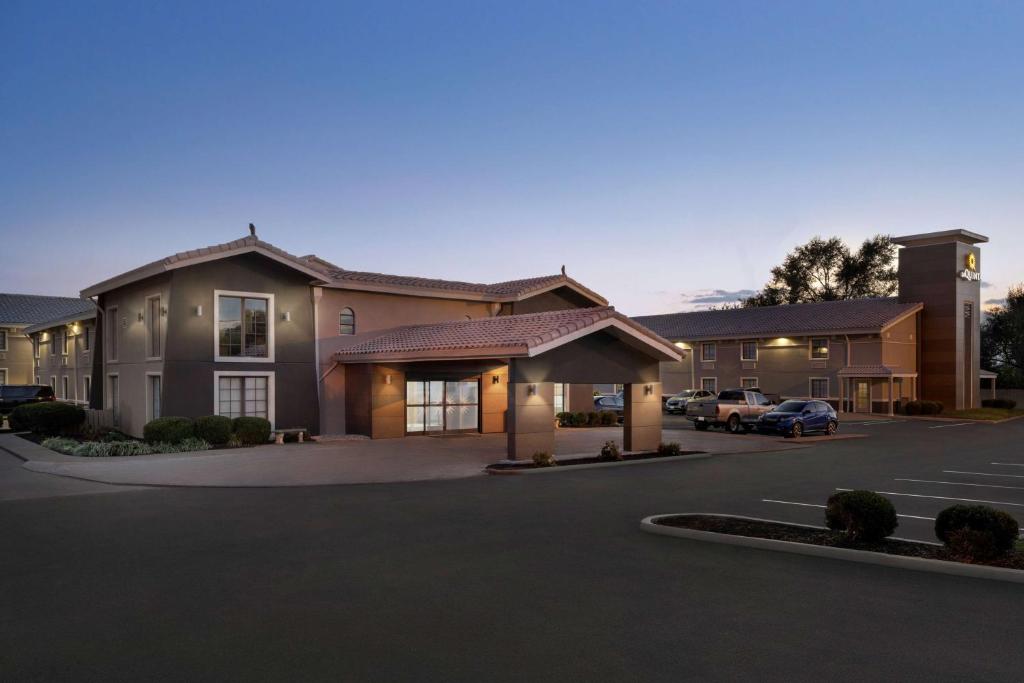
862, 396
434, 406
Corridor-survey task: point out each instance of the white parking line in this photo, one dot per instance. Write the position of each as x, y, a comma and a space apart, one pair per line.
963, 483
985, 474
966, 500
876, 422
1008, 464
958, 424
813, 505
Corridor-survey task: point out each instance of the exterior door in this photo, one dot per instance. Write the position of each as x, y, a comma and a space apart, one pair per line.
862, 396
442, 406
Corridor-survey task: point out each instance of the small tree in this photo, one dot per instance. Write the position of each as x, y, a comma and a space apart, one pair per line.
1002, 339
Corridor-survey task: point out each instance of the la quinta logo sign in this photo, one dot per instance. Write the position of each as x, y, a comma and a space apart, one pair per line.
970, 271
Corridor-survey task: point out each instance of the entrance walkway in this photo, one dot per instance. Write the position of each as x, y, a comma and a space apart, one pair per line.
359, 461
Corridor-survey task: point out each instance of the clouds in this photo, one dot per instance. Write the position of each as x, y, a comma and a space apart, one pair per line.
704, 299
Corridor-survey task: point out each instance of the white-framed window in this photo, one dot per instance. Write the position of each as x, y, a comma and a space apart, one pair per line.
748, 351
3, 376
114, 397
3, 340
154, 316
709, 352
113, 333
35, 346
709, 384
819, 348
87, 388
53, 342
154, 395
249, 394
53, 384
243, 327
749, 383
64, 342
347, 321
561, 395
818, 387
86, 337
64, 386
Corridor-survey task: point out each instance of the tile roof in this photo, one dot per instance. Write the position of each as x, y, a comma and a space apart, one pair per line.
324, 271
35, 308
504, 336
871, 371
795, 319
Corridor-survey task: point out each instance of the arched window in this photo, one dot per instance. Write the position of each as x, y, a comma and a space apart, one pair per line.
347, 321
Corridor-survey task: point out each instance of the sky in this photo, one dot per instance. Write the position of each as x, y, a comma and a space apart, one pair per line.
667, 153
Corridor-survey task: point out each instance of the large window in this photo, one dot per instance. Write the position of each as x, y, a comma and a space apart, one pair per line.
63, 342
87, 388
53, 343
819, 387
436, 406
347, 321
749, 383
153, 327
245, 395
154, 396
3, 340
748, 351
708, 352
244, 327
561, 397
819, 348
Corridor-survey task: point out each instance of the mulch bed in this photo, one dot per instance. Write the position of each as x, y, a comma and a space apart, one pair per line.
527, 465
777, 531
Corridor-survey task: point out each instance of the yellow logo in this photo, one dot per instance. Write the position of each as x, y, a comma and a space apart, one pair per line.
972, 261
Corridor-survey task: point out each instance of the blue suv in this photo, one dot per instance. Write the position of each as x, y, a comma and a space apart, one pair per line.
796, 418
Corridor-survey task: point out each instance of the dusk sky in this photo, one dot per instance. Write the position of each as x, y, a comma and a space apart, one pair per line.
661, 151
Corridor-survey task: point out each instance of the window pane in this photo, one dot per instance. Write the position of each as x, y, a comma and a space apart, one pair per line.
469, 392
347, 322
434, 419
435, 393
230, 397
255, 396
154, 327
414, 418
415, 394
819, 348
255, 325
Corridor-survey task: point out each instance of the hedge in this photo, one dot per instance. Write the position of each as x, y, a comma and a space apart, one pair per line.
976, 531
168, 430
864, 516
215, 429
1004, 403
251, 431
924, 408
50, 418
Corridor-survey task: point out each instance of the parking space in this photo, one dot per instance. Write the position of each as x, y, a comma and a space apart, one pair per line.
932, 467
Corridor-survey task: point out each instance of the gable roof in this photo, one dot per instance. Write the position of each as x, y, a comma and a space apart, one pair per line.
523, 335
324, 273
29, 309
828, 317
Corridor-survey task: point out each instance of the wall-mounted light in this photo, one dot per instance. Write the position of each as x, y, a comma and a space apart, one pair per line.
163, 310
495, 379
531, 389
387, 379
648, 389
141, 318
287, 317
199, 311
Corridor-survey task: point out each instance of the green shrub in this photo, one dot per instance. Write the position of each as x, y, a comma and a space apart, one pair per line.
923, 407
60, 444
593, 419
976, 532
669, 449
610, 451
184, 446
1004, 403
251, 431
564, 419
609, 419
168, 430
106, 449
579, 419
864, 516
544, 459
214, 429
50, 418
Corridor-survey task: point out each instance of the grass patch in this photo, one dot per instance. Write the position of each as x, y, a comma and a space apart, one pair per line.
983, 413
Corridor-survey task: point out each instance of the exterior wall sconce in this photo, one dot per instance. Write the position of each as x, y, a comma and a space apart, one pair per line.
141, 317
531, 389
495, 379
287, 317
387, 379
199, 311
648, 389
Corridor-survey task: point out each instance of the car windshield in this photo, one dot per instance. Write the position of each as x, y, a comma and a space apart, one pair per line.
684, 394
791, 407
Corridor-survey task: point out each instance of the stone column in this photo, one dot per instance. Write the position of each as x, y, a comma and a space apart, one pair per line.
531, 419
641, 429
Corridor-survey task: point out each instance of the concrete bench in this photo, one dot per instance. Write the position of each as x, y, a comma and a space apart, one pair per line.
279, 434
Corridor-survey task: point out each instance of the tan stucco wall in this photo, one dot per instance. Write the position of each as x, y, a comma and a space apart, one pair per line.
642, 423
78, 363
17, 359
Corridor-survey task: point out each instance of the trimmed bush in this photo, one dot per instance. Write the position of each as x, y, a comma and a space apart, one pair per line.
609, 419
60, 444
251, 431
593, 419
50, 418
864, 516
669, 449
579, 419
544, 459
610, 451
976, 532
214, 429
564, 419
923, 407
1003, 403
168, 430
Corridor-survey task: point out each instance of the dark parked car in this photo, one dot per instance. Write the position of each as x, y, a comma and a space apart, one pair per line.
610, 404
14, 395
796, 418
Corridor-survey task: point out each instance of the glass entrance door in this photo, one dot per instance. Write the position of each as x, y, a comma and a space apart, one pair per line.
441, 406
862, 402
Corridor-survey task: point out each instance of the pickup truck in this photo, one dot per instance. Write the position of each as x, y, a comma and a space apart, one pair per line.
734, 409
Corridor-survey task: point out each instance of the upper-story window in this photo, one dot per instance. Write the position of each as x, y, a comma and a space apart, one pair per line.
245, 330
53, 342
86, 338
64, 342
347, 321
819, 348
35, 346
3, 340
153, 326
708, 351
748, 351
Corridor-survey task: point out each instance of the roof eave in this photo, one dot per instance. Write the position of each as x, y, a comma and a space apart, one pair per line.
58, 322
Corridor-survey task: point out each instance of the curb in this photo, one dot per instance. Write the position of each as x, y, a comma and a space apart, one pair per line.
863, 556
596, 465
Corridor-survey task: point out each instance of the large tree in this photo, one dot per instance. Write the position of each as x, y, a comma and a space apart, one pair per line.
827, 270
1002, 339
